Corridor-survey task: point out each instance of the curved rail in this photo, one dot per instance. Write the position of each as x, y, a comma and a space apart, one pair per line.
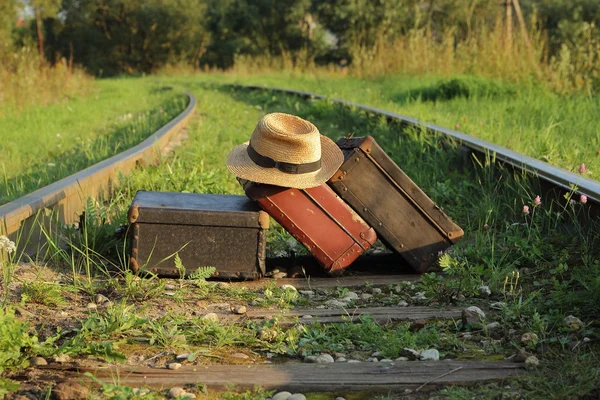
552, 175
67, 196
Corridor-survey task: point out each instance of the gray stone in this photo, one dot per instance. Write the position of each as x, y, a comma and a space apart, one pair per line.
340, 398
472, 315
307, 316
62, 358
307, 293
337, 354
241, 356
282, 396
170, 294
402, 359
484, 291
297, 396
288, 287
173, 365
170, 287
365, 296
100, 299
492, 326
430, 355
335, 303
376, 354
176, 392
351, 296
402, 303
353, 361
372, 359
340, 360
37, 361
280, 275
376, 291
211, 317
387, 360
310, 359
573, 322
532, 361
239, 310
91, 306
182, 357
529, 337
410, 354
324, 359
189, 396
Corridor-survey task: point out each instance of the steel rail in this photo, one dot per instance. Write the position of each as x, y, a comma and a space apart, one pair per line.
554, 176
67, 197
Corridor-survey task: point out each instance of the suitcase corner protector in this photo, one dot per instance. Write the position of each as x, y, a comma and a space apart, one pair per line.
263, 220
133, 264
133, 213
455, 236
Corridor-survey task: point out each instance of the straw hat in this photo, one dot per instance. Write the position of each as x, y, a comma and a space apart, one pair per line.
287, 151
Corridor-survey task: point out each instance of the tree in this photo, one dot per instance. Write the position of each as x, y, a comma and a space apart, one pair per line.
111, 37
42, 9
256, 28
8, 19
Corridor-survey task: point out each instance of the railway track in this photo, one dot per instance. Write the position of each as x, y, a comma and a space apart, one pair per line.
68, 198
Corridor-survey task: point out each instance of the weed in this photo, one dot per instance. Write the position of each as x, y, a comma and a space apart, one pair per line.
46, 293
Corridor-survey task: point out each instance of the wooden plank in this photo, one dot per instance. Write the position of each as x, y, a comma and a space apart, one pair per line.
331, 282
311, 377
379, 314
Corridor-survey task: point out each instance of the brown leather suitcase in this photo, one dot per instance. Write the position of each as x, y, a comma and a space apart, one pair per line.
404, 217
221, 231
319, 219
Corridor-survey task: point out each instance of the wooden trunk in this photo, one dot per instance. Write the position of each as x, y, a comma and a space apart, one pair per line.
404, 217
333, 233
221, 231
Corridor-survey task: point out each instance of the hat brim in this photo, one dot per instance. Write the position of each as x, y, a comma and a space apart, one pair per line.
240, 164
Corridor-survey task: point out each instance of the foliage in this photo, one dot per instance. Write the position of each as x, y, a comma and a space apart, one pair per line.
112, 37
16, 341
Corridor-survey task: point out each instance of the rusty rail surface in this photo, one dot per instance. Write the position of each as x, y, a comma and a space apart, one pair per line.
553, 176
67, 197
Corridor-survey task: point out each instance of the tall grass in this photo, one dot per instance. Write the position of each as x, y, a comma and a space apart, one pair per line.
485, 51
24, 81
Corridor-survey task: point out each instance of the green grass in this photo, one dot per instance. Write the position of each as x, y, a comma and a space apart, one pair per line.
44, 144
554, 248
561, 130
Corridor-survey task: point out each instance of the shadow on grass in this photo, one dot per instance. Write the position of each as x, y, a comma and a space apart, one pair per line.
455, 88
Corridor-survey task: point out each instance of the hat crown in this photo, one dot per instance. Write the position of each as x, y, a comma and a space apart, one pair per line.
287, 138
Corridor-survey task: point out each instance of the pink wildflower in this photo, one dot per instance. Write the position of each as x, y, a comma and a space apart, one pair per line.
582, 169
583, 199
525, 209
537, 201
457, 126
